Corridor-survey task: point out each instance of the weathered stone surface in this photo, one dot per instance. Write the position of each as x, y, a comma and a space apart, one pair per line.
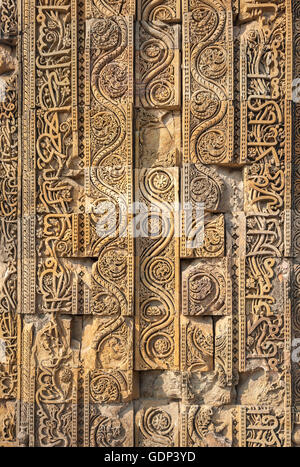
109, 425
260, 387
161, 385
205, 426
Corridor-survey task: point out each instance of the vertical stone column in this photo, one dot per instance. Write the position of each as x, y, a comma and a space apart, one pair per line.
157, 151
77, 248
207, 188
9, 218
265, 309
107, 337
295, 291
51, 208
157, 157
208, 118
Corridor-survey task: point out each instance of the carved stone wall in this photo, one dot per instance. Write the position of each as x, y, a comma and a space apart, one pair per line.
149, 223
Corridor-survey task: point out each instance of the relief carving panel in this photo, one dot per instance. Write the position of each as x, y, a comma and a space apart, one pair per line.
149, 223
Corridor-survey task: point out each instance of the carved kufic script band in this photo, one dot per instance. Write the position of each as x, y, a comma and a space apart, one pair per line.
274, 427
52, 143
264, 307
9, 20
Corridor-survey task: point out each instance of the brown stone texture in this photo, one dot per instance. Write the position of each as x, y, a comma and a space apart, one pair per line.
149, 223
